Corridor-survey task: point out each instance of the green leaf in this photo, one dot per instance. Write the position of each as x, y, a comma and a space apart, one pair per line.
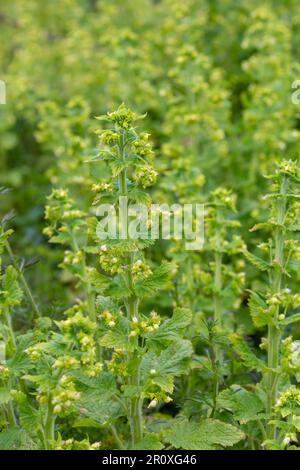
139, 197
119, 164
86, 423
105, 303
257, 262
15, 439
156, 281
245, 405
256, 304
149, 442
169, 363
117, 337
209, 434
97, 279
250, 360
293, 228
4, 396
20, 363
30, 417
292, 319
132, 391
97, 402
118, 289
11, 294
61, 238
171, 329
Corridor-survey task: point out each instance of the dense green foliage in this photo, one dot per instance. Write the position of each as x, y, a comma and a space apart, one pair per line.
133, 344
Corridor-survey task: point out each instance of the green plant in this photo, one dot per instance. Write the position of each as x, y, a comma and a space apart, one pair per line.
215, 81
273, 308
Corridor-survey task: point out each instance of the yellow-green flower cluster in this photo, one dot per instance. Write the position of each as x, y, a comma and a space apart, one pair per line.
122, 117
117, 363
143, 324
36, 351
80, 329
140, 270
73, 444
102, 187
142, 146
145, 176
291, 355
110, 260
289, 402
64, 396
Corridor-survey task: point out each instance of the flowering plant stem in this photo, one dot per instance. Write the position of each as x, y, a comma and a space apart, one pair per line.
49, 425
22, 280
216, 353
273, 329
218, 273
135, 403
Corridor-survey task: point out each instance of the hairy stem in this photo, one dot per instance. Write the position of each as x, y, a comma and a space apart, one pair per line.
7, 318
118, 440
49, 425
274, 335
23, 280
135, 404
217, 354
218, 273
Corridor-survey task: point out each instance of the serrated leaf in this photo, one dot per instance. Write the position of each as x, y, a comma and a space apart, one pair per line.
156, 281
209, 434
117, 338
105, 303
30, 417
257, 262
291, 319
149, 442
139, 197
97, 280
245, 353
114, 340
293, 228
256, 303
15, 439
171, 329
262, 225
245, 406
61, 238
4, 396
11, 293
169, 363
97, 399
118, 289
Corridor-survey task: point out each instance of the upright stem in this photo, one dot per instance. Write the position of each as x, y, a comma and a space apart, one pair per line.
10, 408
118, 440
11, 415
135, 404
218, 284
10, 328
23, 280
49, 425
215, 380
218, 271
89, 294
273, 330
